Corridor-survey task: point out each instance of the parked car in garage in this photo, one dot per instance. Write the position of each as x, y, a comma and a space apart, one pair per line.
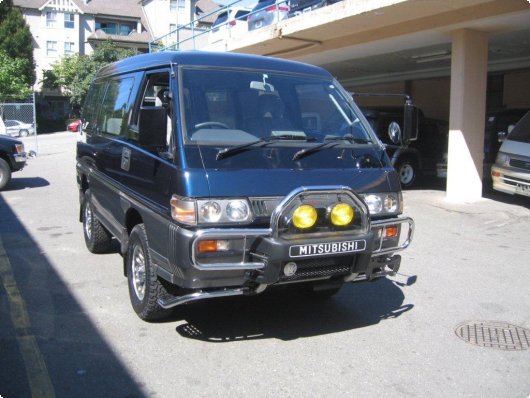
511, 171
16, 128
12, 158
230, 22
422, 155
497, 121
267, 12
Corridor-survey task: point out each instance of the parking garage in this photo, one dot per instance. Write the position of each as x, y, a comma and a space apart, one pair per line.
460, 61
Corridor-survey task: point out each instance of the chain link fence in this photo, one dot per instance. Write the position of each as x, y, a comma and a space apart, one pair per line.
18, 119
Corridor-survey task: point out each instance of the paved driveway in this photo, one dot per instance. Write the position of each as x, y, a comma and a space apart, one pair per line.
67, 329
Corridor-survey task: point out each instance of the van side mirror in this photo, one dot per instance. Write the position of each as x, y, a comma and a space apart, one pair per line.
410, 123
152, 127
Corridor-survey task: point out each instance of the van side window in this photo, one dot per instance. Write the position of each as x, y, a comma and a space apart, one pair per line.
90, 109
115, 109
154, 117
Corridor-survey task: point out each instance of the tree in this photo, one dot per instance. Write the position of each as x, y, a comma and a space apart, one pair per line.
16, 40
73, 74
12, 82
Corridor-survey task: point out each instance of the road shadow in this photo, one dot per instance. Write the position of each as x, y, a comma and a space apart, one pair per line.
288, 314
77, 359
20, 183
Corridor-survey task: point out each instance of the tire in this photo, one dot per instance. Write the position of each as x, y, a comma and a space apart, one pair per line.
97, 238
144, 286
23, 133
5, 173
407, 171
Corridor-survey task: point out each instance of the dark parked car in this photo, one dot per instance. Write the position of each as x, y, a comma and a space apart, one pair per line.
12, 158
422, 155
267, 12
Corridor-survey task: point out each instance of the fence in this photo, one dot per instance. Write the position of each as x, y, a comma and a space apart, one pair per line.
18, 120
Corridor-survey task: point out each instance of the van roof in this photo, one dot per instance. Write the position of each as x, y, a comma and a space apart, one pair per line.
208, 59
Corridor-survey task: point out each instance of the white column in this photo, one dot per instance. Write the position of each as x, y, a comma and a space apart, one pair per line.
469, 66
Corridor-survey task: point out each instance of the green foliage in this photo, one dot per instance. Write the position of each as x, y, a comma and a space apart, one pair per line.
16, 40
12, 79
74, 73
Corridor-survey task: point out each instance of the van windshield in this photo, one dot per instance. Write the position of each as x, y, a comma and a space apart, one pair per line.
521, 131
234, 107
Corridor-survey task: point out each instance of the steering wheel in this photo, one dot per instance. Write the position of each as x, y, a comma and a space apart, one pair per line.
211, 124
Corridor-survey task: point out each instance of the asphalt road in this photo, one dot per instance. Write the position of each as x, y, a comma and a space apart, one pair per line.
67, 328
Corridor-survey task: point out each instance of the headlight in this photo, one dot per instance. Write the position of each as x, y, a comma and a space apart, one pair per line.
304, 217
341, 214
374, 203
237, 210
210, 211
502, 159
384, 203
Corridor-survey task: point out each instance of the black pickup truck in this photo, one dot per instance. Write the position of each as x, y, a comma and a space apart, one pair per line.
12, 158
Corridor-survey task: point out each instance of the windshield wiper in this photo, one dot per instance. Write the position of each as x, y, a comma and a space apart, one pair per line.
223, 153
330, 142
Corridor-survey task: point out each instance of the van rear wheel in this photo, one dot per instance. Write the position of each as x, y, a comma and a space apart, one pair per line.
97, 238
144, 286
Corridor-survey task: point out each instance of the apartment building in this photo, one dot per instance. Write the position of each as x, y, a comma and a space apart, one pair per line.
64, 27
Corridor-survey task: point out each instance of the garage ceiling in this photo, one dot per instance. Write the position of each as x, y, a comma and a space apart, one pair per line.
377, 41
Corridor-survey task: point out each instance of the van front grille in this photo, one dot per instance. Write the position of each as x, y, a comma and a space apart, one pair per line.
319, 268
520, 164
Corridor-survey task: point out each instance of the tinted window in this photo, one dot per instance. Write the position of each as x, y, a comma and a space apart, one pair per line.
114, 115
222, 17
521, 131
90, 109
241, 106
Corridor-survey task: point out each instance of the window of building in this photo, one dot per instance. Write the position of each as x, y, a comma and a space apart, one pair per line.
51, 48
174, 5
115, 27
51, 19
69, 20
69, 48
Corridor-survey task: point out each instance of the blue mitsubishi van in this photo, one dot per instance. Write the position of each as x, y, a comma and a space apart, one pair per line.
224, 174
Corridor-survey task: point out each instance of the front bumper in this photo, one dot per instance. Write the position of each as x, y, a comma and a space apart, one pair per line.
19, 160
510, 180
266, 256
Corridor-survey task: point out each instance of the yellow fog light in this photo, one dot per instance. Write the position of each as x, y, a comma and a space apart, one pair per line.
342, 214
304, 217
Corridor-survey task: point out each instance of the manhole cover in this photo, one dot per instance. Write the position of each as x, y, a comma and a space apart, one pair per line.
500, 335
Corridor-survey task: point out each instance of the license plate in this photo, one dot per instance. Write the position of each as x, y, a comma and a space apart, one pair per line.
523, 189
325, 249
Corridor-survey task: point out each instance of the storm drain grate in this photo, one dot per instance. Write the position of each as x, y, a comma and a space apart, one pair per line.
500, 335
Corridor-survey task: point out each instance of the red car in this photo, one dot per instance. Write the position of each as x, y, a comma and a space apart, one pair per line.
74, 126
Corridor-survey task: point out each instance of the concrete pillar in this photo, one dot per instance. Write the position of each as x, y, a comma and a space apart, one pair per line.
469, 66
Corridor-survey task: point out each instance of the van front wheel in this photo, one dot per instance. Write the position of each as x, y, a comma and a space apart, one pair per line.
144, 287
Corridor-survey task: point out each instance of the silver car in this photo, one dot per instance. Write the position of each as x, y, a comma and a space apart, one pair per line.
267, 12
16, 128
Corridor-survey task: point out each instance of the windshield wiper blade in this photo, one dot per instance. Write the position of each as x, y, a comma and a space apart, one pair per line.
223, 153
330, 142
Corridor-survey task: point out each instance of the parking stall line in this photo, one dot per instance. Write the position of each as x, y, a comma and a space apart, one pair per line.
37, 374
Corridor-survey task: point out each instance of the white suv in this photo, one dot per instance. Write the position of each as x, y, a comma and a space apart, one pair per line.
230, 22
